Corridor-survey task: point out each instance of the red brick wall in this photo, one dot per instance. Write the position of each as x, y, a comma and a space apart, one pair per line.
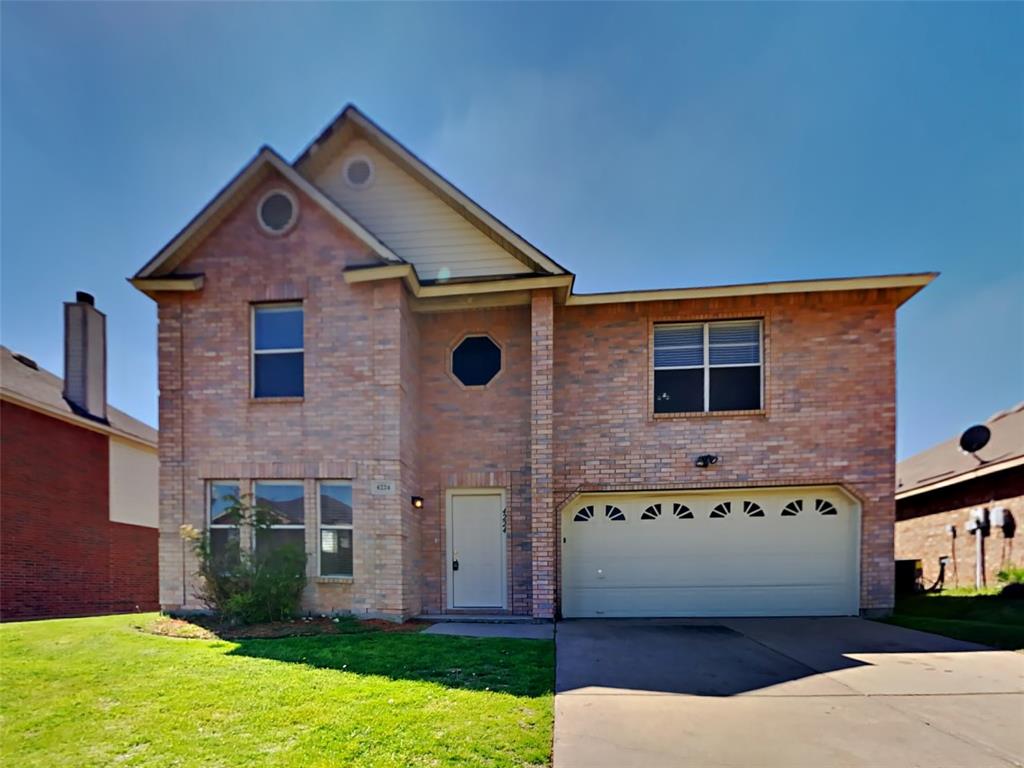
829, 408
475, 438
574, 402
542, 445
354, 421
922, 520
60, 555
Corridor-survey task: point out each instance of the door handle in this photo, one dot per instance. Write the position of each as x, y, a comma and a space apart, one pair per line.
455, 565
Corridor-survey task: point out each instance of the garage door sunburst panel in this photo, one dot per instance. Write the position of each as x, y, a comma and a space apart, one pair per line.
653, 512
614, 513
753, 509
794, 508
722, 509
825, 507
583, 514
682, 511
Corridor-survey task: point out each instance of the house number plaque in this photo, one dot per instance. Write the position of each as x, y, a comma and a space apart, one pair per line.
383, 487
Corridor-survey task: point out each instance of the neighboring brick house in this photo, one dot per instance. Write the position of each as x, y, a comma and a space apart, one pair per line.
449, 428
78, 485
936, 491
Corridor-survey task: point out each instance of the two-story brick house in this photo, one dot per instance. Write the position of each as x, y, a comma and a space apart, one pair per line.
450, 428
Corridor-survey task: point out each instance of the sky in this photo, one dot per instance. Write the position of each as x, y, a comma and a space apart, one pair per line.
641, 146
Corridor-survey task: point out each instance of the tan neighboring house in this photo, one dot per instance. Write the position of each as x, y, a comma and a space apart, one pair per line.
937, 489
449, 427
78, 485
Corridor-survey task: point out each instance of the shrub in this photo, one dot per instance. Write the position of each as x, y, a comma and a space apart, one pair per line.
243, 587
1011, 575
1013, 591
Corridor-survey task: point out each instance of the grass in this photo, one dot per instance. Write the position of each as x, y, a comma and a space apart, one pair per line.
101, 692
979, 617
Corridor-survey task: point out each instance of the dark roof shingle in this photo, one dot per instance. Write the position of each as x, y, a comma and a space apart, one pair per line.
945, 462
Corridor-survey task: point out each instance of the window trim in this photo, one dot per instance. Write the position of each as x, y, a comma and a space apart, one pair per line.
274, 305
320, 526
450, 363
706, 366
352, 160
291, 222
243, 534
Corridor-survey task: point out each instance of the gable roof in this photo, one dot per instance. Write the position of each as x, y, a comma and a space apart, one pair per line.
543, 272
265, 161
945, 464
350, 121
40, 390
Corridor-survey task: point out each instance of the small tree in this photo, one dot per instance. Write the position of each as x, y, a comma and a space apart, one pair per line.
242, 586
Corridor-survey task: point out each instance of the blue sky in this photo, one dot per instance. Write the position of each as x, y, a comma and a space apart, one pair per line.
641, 146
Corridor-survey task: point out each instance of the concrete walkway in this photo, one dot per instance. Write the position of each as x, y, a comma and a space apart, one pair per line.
819, 693
517, 630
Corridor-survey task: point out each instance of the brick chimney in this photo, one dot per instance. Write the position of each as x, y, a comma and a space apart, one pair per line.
85, 357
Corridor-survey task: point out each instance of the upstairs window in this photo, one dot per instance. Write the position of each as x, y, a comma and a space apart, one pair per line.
704, 367
277, 352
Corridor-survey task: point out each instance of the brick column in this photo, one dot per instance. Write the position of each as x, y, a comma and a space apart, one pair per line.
175, 561
541, 428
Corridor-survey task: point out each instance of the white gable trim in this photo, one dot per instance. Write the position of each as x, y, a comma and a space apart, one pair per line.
408, 274
917, 281
565, 295
447, 191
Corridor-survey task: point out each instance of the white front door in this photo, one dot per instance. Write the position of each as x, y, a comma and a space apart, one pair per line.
476, 547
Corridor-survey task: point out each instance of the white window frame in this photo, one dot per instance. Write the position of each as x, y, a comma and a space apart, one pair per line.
706, 356
332, 527
278, 306
282, 526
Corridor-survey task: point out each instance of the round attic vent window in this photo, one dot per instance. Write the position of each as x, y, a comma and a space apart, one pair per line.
358, 172
277, 211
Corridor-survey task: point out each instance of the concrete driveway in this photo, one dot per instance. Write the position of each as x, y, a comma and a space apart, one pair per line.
819, 693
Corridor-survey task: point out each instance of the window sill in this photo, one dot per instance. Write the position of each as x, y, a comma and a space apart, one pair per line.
334, 579
289, 399
760, 413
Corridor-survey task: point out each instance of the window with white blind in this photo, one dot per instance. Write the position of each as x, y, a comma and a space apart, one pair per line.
703, 367
335, 528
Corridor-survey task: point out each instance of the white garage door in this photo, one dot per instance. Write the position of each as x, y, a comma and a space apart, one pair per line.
752, 552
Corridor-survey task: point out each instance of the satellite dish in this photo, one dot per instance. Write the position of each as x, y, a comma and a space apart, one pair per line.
974, 439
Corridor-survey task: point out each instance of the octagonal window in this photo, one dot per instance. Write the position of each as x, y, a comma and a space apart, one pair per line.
476, 360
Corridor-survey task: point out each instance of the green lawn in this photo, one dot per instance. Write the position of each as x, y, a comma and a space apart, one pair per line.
966, 615
99, 692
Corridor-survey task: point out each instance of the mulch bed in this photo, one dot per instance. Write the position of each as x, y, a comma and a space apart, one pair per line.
210, 628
